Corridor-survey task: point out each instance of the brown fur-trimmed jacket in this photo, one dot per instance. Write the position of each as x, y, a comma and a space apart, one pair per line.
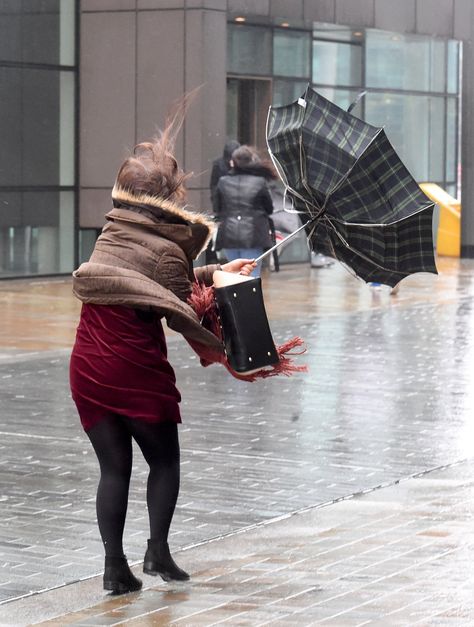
143, 259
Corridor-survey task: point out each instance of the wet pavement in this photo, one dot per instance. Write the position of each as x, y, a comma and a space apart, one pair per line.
397, 556
388, 396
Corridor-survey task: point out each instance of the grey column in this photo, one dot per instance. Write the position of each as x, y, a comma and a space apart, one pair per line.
179, 49
467, 152
107, 102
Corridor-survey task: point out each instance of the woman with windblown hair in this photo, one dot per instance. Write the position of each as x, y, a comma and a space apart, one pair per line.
121, 381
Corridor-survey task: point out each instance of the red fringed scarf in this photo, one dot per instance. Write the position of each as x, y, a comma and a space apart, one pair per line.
203, 302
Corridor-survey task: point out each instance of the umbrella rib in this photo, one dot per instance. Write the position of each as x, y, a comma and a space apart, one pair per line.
371, 225
282, 174
360, 254
288, 187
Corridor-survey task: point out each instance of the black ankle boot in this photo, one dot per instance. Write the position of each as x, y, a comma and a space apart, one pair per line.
118, 577
158, 561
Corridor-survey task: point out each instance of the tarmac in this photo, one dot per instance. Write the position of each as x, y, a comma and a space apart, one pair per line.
341, 496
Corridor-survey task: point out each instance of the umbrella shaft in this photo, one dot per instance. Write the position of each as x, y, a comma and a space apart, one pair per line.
270, 250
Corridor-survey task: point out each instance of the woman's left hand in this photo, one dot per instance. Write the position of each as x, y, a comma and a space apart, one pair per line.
240, 266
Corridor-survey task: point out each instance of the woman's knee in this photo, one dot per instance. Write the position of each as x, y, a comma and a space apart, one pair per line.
159, 442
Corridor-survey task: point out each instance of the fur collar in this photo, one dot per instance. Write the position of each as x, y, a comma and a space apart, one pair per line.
167, 206
201, 226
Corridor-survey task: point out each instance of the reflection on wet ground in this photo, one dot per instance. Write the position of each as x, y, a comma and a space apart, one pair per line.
388, 395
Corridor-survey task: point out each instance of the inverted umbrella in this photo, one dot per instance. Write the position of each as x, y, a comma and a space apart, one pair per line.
364, 207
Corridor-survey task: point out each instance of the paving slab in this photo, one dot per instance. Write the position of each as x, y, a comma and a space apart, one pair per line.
400, 555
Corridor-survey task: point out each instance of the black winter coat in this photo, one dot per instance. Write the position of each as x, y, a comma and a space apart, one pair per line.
242, 209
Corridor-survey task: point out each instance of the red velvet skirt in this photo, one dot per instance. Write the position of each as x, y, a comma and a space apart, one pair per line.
119, 365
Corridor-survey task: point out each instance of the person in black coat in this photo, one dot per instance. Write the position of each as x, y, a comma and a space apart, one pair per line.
243, 206
220, 167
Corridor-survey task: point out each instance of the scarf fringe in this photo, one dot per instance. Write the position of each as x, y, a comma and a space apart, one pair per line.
203, 302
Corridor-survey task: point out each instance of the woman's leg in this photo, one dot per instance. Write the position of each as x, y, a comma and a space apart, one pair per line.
113, 446
159, 444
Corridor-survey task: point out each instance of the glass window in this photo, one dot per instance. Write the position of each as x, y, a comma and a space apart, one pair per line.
452, 190
10, 126
87, 240
36, 232
40, 31
36, 126
37, 31
285, 92
406, 121
249, 50
337, 32
453, 66
67, 86
10, 209
291, 53
398, 61
337, 63
232, 107
342, 98
10, 30
415, 127
436, 146
437, 65
451, 139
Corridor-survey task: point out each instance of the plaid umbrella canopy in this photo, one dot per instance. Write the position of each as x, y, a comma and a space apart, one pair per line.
364, 207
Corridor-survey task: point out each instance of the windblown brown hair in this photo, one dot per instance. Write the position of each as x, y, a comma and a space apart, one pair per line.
153, 169
246, 160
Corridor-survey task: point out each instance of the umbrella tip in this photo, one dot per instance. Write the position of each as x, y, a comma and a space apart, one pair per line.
302, 102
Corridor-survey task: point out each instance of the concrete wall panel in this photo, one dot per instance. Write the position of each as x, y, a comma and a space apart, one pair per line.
395, 16
204, 130
108, 5
156, 5
95, 203
195, 76
435, 20
107, 94
463, 19
322, 11
249, 7
356, 12
160, 69
293, 9
206, 4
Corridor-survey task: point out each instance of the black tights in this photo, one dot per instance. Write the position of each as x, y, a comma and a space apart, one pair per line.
112, 442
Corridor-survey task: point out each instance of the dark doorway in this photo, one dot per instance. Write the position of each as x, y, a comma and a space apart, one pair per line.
248, 101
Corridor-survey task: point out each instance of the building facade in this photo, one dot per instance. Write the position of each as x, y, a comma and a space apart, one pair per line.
38, 131
138, 56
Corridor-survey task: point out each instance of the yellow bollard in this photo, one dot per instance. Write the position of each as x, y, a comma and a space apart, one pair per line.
449, 227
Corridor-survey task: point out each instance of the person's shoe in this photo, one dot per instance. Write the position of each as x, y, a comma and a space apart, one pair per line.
319, 260
118, 577
158, 561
